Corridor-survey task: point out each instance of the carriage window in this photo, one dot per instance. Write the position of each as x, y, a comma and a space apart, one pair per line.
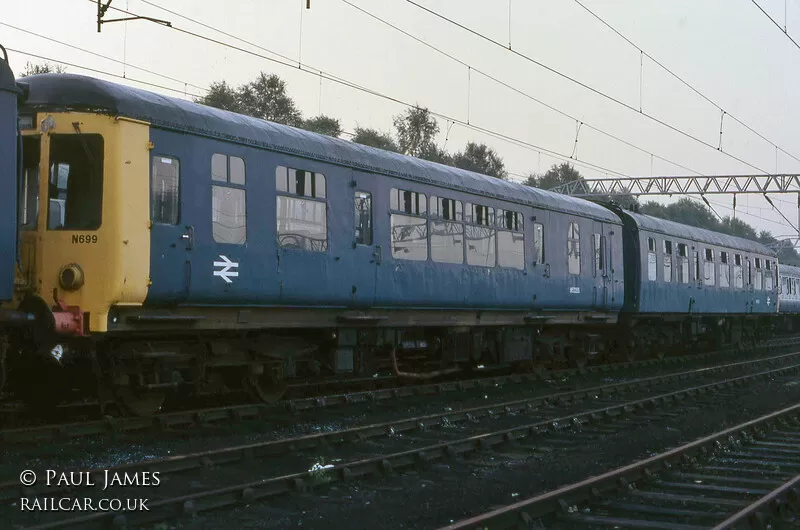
447, 236
228, 215
574, 249
768, 276
363, 218
164, 204
538, 243
724, 270
219, 167
667, 261
448, 209
228, 212
481, 237
683, 263
749, 273
759, 276
226, 168
598, 260
409, 237
709, 278
76, 182
652, 263
302, 222
738, 279
300, 182
408, 201
696, 266
480, 215
409, 232
510, 240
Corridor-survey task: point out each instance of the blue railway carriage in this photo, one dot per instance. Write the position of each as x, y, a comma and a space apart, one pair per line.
687, 283
194, 244
789, 297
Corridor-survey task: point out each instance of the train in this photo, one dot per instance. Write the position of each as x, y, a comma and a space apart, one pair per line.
162, 247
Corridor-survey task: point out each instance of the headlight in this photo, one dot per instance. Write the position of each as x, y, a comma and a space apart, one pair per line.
70, 277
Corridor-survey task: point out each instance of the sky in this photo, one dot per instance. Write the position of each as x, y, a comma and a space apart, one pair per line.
726, 49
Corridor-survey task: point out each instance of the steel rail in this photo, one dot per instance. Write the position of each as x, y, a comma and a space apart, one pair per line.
560, 500
191, 504
181, 419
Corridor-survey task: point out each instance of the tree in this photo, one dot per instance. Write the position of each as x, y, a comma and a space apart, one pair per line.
266, 98
222, 96
688, 212
373, 138
323, 125
555, 176
433, 153
480, 158
416, 129
42, 68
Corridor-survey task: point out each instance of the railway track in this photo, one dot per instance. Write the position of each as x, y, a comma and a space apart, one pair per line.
375, 450
185, 419
746, 476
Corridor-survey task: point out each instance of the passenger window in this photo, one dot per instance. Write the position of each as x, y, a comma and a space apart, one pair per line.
724, 270
683, 263
749, 273
164, 202
228, 215
696, 266
667, 261
709, 277
480, 235
447, 209
447, 232
738, 279
652, 263
538, 243
302, 222
228, 205
510, 240
409, 228
410, 202
574, 249
76, 182
363, 218
759, 275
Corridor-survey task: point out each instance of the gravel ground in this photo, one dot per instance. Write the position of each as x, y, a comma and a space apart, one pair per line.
454, 490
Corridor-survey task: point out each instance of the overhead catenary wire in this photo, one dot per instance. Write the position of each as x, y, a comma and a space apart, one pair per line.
472, 68
584, 85
102, 56
288, 62
102, 72
682, 80
308, 69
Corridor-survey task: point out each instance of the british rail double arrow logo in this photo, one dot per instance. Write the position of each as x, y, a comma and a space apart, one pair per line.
226, 273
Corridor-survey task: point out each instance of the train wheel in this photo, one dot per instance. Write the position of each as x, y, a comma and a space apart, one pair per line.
269, 386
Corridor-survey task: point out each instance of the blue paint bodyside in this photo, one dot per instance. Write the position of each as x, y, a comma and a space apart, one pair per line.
790, 302
659, 296
348, 275
9, 149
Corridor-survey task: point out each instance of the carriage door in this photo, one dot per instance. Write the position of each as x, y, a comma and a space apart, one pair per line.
172, 231
600, 266
365, 252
